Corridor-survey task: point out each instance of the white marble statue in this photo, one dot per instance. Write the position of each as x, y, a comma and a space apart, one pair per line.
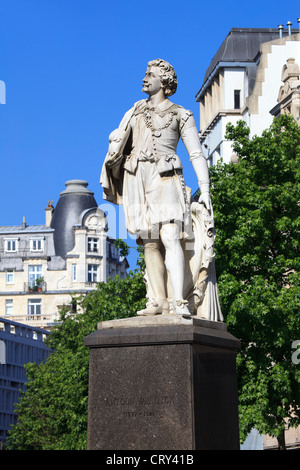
143, 172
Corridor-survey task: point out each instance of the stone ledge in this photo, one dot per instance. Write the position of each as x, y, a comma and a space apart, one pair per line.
161, 329
159, 320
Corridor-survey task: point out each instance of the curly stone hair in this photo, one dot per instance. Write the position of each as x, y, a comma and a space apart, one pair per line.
167, 75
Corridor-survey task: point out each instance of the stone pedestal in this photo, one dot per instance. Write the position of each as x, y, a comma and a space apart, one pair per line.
162, 383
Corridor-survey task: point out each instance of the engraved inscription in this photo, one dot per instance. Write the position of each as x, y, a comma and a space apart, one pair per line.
140, 406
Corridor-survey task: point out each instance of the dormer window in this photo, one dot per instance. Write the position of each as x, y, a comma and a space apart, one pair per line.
37, 244
11, 245
93, 245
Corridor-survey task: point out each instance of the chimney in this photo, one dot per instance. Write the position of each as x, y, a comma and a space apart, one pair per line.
24, 222
280, 27
49, 212
289, 25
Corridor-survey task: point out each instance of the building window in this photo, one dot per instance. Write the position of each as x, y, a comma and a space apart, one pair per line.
9, 277
11, 244
92, 272
34, 273
37, 244
237, 99
9, 304
34, 306
93, 245
74, 272
114, 251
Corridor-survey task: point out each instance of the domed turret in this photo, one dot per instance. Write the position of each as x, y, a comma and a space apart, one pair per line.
75, 199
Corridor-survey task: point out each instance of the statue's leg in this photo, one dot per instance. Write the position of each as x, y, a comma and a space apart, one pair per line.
156, 275
174, 261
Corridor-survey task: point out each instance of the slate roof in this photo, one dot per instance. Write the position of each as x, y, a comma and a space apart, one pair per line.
8, 229
75, 199
241, 45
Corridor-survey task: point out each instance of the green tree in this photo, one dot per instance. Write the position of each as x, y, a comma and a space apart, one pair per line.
52, 413
256, 210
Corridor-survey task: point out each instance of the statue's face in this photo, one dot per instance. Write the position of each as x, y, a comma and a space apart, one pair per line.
152, 83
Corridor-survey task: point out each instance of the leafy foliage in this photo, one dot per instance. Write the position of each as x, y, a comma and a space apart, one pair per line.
52, 413
256, 210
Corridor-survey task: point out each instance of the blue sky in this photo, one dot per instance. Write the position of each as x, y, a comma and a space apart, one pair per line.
73, 67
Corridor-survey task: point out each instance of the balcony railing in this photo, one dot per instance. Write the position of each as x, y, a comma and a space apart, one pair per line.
38, 321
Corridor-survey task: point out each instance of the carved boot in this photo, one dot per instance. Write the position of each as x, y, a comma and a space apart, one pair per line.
180, 307
154, 308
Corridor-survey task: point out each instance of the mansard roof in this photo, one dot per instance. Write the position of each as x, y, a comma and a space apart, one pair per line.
75, 199
19, 229
241, 46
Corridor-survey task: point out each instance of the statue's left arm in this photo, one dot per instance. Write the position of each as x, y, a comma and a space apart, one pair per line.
190, 138
111, 178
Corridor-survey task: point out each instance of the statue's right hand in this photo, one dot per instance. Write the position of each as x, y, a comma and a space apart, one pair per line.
205, 200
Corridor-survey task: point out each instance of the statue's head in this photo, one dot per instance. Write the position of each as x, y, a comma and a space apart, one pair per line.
167, 75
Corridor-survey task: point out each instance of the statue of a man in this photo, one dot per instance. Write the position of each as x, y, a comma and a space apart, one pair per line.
143, 172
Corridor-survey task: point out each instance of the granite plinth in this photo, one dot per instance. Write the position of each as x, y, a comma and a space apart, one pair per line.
162, 384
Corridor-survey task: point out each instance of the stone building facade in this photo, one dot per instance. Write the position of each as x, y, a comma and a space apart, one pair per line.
42, 266
254, 76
